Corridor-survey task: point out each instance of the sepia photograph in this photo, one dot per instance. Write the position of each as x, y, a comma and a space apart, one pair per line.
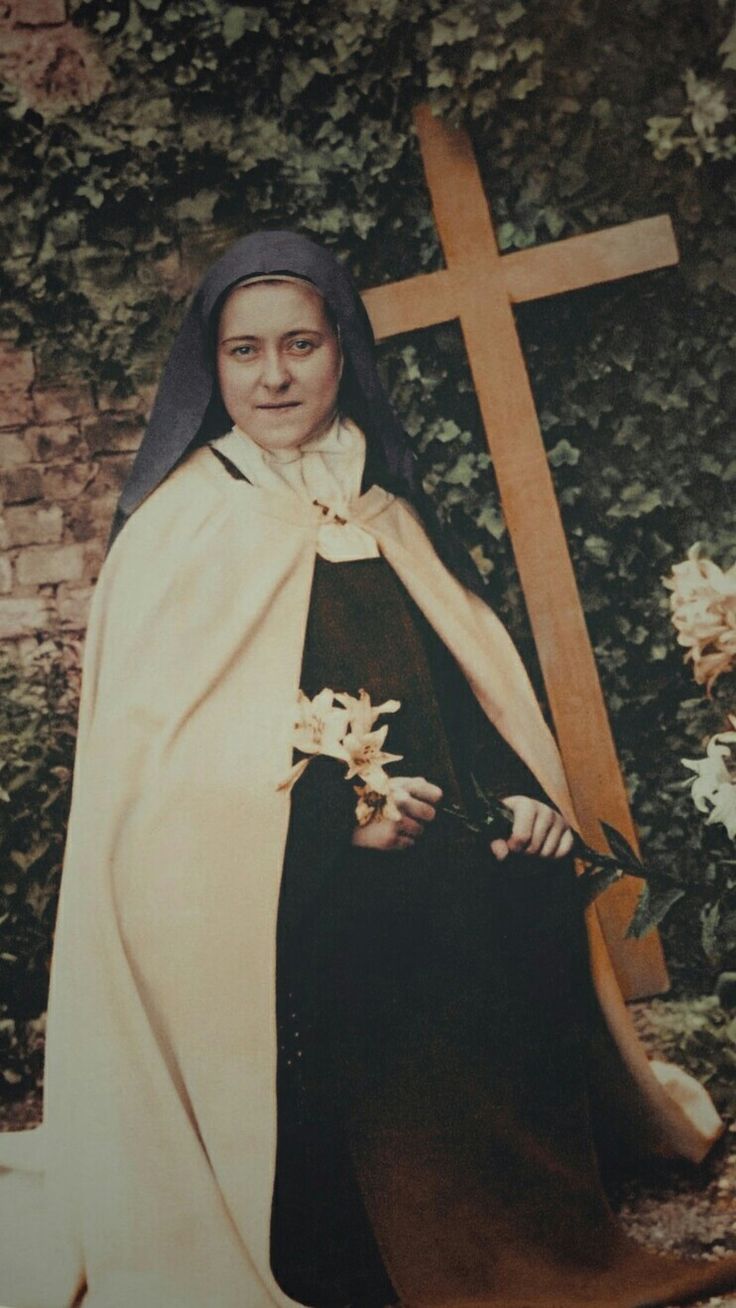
368, 654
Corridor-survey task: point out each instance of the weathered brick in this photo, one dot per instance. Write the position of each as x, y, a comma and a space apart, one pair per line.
65, 481
112, 472
16, 367
47, 442
73, 605
16, 376
16, 408
88, 517
60, 403
22, 617
40, 13
38, 564
21, 485
109, 402
6, 575
42, 525
113, 435
13, 449
94, 557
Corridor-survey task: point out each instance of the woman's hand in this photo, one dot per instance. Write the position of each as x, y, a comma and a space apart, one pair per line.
538, 829
415, 798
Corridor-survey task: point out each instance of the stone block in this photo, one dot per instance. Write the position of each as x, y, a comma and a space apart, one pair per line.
65, 481
49, 441
20, 485
40, 13
112, 472
6, 575
23, 617
110, 434
26, 525
17, 369
13, 449
73, 605
94, 557
4, 538
61, 403
88, 518
16, 408
40, 564
109, 402
16, 376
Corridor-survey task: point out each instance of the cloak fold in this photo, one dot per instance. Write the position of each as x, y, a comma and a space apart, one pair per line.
159, 1136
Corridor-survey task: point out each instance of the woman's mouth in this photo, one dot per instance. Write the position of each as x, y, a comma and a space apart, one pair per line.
288, 404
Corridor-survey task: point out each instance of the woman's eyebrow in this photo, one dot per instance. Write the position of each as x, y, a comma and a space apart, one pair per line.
294, 331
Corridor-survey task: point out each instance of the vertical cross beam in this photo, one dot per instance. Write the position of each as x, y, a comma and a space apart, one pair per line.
478, 287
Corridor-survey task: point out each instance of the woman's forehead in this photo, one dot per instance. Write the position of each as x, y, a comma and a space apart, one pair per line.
266, 303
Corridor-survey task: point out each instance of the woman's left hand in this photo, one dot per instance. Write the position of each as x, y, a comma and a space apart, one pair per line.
538, 829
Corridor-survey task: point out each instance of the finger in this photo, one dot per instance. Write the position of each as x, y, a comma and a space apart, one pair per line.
544, 822
417, 809
500, 849
403, 842
523, 811
566, 844
407, 827
422, 789
551, 844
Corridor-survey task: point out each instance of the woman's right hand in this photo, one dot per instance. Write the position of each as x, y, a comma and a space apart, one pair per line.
415, 798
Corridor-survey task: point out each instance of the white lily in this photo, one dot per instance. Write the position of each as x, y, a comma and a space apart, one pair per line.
703, 605
319, 727
713, 789
362, 713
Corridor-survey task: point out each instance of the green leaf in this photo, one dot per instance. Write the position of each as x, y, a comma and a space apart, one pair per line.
239, 19
654, 903
621, 848
563, 453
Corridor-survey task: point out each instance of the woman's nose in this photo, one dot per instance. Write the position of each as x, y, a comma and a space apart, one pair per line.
275, 372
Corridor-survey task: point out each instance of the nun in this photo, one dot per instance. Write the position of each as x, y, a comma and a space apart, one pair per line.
310, 1040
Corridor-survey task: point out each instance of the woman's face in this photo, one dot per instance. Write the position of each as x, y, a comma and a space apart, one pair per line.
278, 363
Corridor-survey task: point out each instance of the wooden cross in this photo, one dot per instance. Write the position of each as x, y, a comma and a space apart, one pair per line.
478, 286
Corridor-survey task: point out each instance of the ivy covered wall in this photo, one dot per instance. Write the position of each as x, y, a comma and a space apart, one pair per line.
142, 136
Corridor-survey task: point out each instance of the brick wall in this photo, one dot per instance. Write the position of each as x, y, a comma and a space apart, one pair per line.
64, 454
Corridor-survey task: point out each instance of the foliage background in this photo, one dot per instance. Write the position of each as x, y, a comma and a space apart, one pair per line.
143, 136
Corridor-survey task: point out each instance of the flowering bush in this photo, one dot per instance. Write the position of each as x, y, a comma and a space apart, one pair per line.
703, 604
703, 611
714, 788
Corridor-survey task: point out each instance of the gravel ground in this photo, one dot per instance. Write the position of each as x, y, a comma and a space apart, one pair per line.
689, 1211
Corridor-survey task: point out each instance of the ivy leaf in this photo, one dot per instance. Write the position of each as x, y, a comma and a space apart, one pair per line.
238, 20
563, 453
655, 901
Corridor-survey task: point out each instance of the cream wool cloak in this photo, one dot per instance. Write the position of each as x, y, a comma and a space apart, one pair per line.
160, 1120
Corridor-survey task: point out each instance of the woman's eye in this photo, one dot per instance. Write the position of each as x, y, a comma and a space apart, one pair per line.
242, 351
303, 346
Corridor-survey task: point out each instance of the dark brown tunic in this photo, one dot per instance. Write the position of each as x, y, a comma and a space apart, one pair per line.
435, 1015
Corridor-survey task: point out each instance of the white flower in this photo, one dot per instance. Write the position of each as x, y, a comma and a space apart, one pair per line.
713, 788
343, 731
319, 727
361, 712
706, 105
703, 605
